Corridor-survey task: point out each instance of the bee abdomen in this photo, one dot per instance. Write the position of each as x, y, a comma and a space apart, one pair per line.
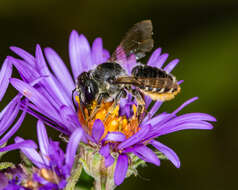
145, 71
163, 94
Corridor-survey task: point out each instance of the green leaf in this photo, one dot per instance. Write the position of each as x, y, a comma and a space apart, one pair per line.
5, 165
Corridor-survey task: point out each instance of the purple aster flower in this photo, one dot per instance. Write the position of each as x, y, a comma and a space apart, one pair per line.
122, 138
149, 130
52, 165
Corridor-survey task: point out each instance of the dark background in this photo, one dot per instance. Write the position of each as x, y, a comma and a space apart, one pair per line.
202, 34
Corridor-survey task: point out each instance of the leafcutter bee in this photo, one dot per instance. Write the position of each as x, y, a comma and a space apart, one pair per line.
109, 81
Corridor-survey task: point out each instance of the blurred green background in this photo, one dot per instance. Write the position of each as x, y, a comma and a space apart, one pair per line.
202, 34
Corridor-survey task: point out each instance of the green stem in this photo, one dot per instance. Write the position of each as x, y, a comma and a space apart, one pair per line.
73, 179
98, 185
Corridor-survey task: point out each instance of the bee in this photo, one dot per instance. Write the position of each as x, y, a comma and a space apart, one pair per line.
109, 81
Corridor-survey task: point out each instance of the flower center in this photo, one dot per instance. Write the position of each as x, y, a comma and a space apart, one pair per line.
113, 122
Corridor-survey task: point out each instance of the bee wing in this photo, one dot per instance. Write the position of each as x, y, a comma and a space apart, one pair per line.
138, 40
144, 82
127, 80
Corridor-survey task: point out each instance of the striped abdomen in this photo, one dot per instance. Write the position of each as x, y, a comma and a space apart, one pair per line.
155, 82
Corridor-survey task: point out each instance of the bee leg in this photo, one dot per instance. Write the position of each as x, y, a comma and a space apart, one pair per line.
80, 105
121, 94
82, 111
141, 103
99, 101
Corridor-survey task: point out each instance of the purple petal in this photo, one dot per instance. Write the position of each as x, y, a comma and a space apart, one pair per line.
184, 105
54, 90
72, 147
180, 82
41, 180
155, 55
190, 117
155, 120
69, 118
115, 136
79, 52
34, 96
130, 63
30, 152
6, 108
121, 169
109, 160
105, 150
3, 181
155, 108
145, 154
26, 144
14, 129
56, 124
106, 153
170, 66
148, 100
41, 65
43, 141
97, 51
27, 71
56, 155
24, 55
106, 55
5, 74
98, 130
126, 107
60, 70
85, 53
74, 46
161, 60
139, 136
9, 114
186, 125
168, 152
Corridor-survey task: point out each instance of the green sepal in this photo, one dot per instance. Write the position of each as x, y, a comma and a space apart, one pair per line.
2, 153
161, 156
25, 160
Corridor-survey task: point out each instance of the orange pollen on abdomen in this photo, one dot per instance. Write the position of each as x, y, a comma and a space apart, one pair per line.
113, 123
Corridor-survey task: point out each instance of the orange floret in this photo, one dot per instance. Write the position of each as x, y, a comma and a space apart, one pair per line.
113, 122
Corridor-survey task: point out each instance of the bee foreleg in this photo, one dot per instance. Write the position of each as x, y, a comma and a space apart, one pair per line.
101, 97
79, 103
121, 94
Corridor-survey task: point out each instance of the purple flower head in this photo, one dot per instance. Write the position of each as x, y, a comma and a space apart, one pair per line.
52, 165
148, 131
46, 95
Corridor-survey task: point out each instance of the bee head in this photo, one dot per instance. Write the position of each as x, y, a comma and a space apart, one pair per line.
87, 88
